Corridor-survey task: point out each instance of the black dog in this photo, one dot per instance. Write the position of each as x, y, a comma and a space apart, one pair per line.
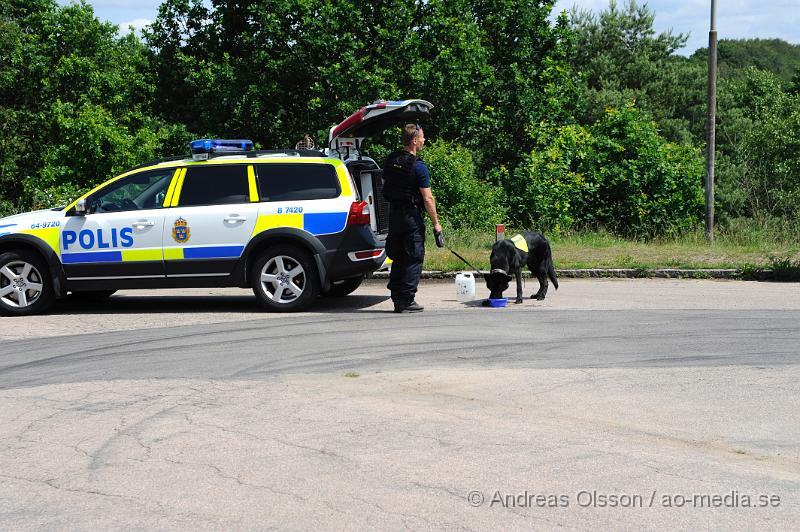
507, 257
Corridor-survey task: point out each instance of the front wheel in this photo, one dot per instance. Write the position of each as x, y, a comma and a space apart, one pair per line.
25, 284
285, 279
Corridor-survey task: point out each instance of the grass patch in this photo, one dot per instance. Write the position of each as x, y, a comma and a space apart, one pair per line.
746, 247
352, 374
785, 269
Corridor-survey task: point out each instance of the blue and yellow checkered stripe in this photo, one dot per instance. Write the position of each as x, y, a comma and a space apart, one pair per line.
141, 255
203, 252
125, 255
316, 223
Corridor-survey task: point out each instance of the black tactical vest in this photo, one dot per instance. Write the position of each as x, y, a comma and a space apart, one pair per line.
399, 185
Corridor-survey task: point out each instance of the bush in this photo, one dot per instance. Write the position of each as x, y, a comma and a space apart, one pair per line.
644, 185
758, 150
618, 173
95, 145
57, 196
545, 190
462, 198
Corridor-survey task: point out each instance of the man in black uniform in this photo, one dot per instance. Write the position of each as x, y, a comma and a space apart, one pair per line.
407, 187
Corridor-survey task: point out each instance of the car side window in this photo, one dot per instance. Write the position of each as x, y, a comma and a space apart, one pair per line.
307, 181
145, 190
215, 185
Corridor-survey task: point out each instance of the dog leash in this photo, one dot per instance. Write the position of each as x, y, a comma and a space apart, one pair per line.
473, 267
465, 261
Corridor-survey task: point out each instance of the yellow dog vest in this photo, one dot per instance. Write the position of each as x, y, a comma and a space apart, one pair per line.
520, 243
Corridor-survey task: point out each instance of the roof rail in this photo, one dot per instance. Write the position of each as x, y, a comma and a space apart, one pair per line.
157, 161
248, 154
256, 153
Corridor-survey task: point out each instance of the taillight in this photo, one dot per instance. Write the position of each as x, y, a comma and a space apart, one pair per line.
368, 254
359, 213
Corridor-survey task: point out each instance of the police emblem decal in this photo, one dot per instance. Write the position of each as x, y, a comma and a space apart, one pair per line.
180, 231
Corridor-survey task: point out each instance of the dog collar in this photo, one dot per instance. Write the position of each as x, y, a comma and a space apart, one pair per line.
498, 270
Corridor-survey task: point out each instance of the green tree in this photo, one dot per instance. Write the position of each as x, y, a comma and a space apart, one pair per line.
794, 88
773, 55
463, 200
758, 147
528, 79
276, 69
623, 59
273, 70
618, 174
75, 102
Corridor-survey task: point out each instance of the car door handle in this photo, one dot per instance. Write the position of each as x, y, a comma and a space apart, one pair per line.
234, 218
141, 224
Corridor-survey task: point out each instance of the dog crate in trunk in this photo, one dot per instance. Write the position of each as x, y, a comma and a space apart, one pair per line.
368, 178
381, 205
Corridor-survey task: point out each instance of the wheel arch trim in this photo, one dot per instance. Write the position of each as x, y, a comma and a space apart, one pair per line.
37, 245
289, 235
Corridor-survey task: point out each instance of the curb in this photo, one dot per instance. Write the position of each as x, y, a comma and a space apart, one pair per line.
627, 273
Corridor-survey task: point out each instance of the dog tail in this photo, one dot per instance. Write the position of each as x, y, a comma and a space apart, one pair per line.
551, 271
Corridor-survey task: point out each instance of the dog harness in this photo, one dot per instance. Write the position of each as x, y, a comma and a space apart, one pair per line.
520, 243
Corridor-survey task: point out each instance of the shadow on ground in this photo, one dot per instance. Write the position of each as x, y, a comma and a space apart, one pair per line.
244, 304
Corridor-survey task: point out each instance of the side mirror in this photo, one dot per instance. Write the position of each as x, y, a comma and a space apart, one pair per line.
80, 207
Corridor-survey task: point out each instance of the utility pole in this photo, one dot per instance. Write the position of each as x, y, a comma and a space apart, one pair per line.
711, 124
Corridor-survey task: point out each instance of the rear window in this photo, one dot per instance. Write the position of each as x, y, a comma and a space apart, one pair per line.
215, 185
282, 182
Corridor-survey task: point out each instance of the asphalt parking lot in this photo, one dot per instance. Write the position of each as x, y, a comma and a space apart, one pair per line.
623, 404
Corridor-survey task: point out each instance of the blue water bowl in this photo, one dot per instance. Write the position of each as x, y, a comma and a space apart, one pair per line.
497, 303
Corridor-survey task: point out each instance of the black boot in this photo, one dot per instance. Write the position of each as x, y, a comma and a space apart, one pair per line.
409, 307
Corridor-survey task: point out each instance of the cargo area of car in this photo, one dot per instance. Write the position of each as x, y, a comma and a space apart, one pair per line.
368, 178
345, 142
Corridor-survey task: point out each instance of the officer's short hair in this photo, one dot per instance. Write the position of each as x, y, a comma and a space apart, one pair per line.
409, 132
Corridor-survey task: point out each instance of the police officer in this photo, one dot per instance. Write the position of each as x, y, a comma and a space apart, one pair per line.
407, 188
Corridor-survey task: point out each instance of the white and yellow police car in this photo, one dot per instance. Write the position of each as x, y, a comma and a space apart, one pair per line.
290, 224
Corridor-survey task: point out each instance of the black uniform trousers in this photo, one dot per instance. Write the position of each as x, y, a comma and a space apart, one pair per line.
405, 245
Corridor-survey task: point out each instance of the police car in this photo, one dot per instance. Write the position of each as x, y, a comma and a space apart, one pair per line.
290, 224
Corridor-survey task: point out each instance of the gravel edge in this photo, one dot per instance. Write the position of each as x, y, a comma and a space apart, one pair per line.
629, 273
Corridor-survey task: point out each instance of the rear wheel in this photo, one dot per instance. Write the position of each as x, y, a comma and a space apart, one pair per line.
25, 284
344, 287
285, 279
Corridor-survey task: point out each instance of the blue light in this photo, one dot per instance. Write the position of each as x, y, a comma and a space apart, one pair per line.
220, 145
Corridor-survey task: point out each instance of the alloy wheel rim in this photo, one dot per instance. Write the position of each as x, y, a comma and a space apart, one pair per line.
20, 284
283, 279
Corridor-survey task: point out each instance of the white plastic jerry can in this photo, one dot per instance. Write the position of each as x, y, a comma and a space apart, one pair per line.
465, 286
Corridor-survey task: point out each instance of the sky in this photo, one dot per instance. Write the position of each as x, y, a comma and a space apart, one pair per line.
736, 19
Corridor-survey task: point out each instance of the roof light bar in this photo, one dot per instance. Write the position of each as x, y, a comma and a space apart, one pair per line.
201, 149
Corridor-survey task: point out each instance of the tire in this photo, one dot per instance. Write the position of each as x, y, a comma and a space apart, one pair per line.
285, 279
92, 295
344, 287
27, 270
